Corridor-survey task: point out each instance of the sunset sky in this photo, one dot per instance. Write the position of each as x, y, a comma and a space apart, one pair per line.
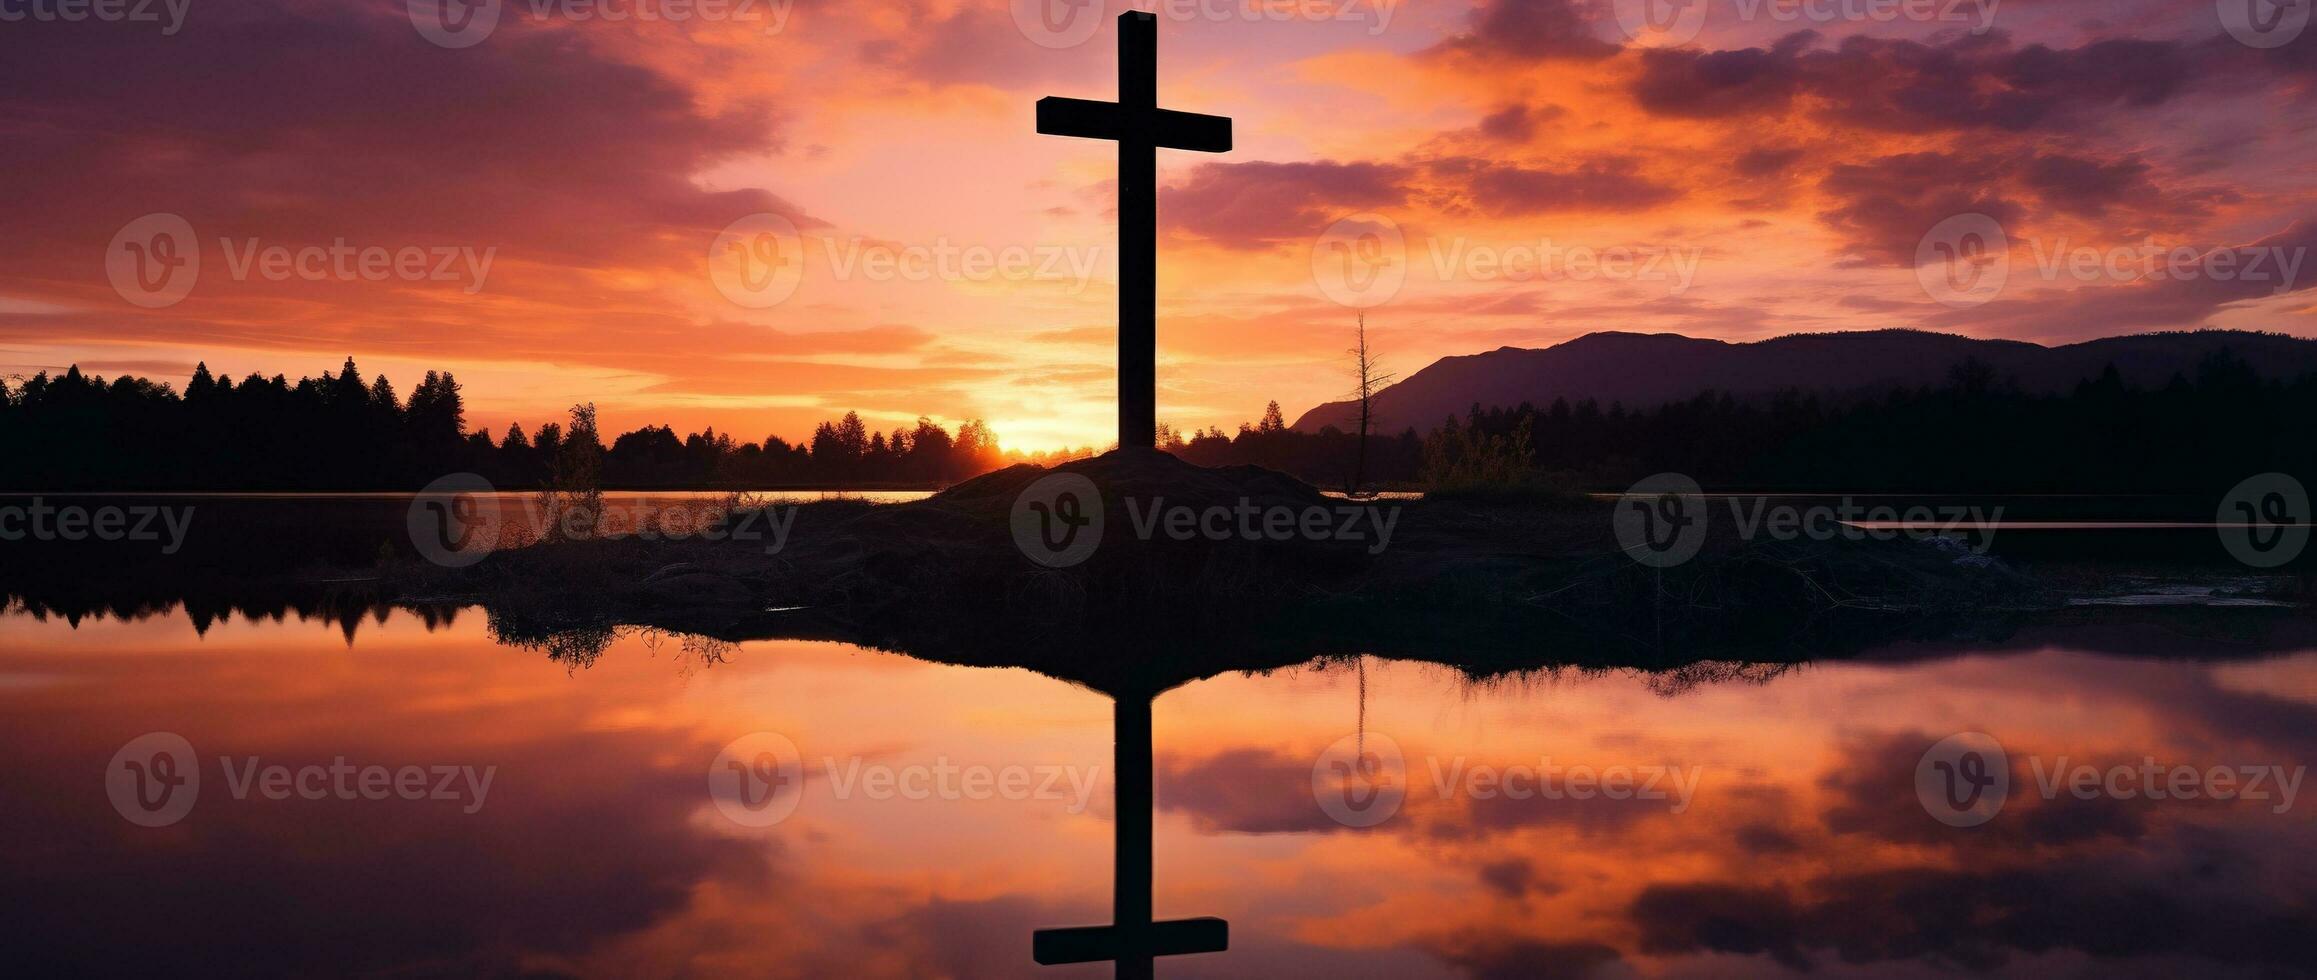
1773, 173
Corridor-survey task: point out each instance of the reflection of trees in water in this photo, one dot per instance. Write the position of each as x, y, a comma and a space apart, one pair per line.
1682, 680
575, 647
1662, 681
574, 644
343, 611
693, 651
578, 647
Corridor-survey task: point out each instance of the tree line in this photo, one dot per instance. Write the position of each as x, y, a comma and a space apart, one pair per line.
1977, 432
77, 431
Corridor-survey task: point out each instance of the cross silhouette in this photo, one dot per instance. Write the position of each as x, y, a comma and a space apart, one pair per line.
1133, 940
1140, 127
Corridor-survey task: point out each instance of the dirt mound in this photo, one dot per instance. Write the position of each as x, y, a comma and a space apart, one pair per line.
1145, 475
1166, 529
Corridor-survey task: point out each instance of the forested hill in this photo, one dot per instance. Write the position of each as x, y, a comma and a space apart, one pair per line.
1643, 371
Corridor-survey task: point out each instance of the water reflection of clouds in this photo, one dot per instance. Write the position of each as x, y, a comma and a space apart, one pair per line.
1809, 847
1805, 847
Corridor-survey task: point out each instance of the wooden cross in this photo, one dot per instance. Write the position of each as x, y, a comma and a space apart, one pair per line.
1133, 940
1140, 127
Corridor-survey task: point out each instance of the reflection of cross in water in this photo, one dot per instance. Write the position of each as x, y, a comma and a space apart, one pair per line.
1134, 939
1140, 127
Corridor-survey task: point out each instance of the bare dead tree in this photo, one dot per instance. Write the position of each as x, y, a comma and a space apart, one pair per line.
1365, 369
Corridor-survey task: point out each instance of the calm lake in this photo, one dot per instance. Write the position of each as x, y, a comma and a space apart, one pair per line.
398, 796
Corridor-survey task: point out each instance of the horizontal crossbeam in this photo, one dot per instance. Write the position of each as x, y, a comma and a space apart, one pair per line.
1170, 128
1094, 944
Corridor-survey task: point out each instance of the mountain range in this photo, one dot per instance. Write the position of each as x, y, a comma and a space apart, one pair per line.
1647, 370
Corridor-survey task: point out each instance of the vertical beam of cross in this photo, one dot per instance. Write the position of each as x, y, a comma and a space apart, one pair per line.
1133, 940
1137, 236
1130, 883
1141, 128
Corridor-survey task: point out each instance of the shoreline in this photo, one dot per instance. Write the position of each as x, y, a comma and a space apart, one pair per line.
1482, 583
